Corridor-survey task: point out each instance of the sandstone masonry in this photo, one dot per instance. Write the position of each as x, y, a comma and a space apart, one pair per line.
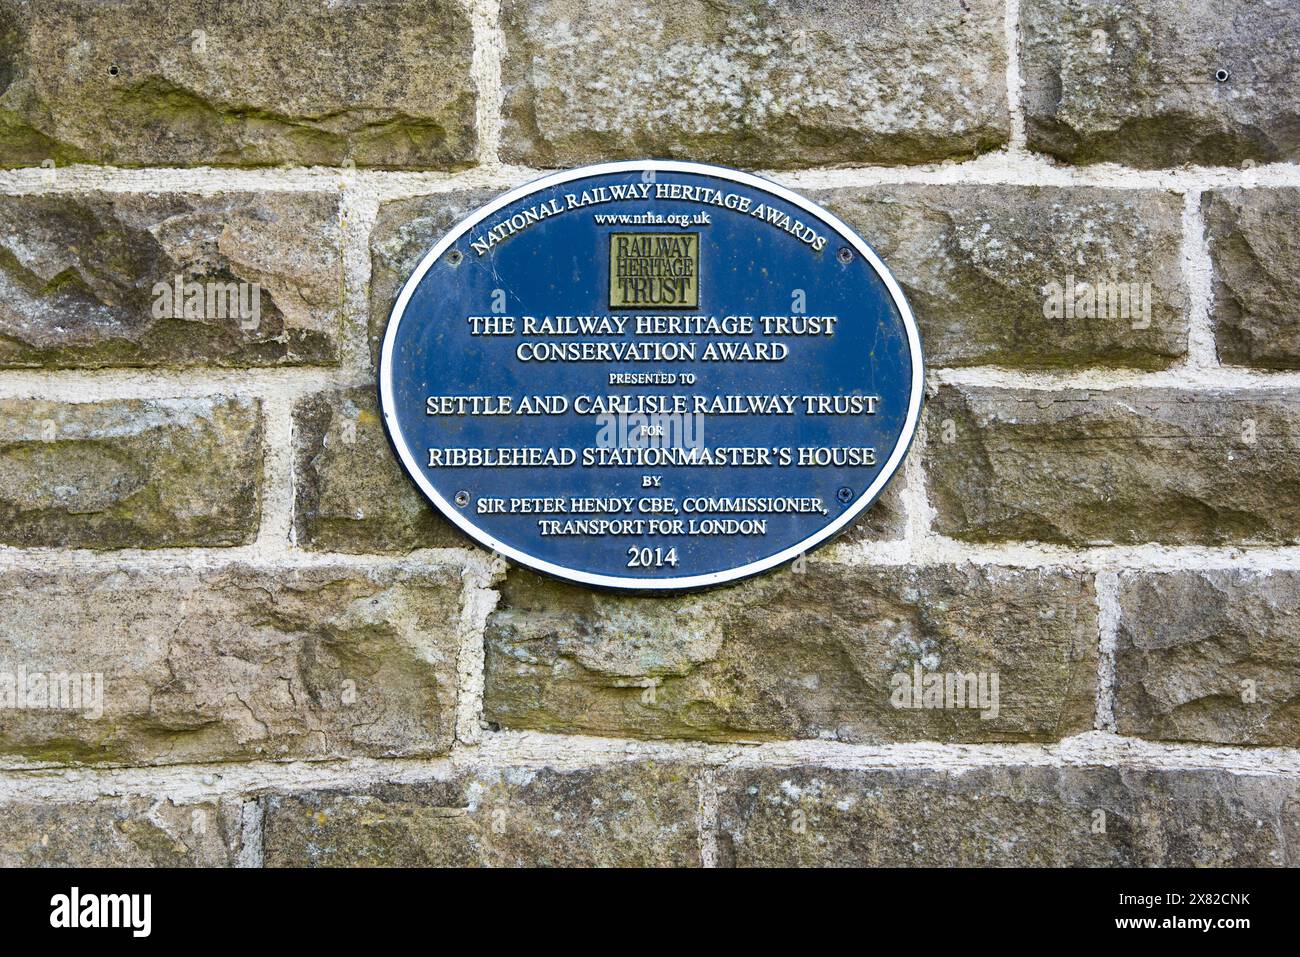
283, 657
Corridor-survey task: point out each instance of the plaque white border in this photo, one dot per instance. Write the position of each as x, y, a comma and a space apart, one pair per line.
416, 471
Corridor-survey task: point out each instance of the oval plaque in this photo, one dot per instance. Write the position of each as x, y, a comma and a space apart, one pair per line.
651, 375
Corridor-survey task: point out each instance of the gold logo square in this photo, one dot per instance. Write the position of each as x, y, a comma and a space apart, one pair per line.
654, 270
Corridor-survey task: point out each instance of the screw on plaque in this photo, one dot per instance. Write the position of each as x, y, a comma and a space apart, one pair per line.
454, 257
845, 254
462, 498
845, 495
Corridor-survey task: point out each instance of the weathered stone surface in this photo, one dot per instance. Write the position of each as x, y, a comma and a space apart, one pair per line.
1134, 81
135, 473
1256, 258
404, 231
352, 494
234, 662
785, 84
623, 815
1115, 466
89, 279
1006, 816
1209, 656
255, 82
809, 655
886, 520
977, 264
120, 832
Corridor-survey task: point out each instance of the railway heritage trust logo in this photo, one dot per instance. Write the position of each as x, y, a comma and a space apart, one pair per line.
654, 269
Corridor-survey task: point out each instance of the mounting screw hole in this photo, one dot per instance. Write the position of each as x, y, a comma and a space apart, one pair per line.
1222, 75
845, 254
462, 498
455, 256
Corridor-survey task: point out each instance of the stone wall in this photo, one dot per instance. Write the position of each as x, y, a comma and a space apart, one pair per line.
303, 664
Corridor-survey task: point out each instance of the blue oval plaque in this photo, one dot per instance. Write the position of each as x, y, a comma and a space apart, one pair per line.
651, 375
